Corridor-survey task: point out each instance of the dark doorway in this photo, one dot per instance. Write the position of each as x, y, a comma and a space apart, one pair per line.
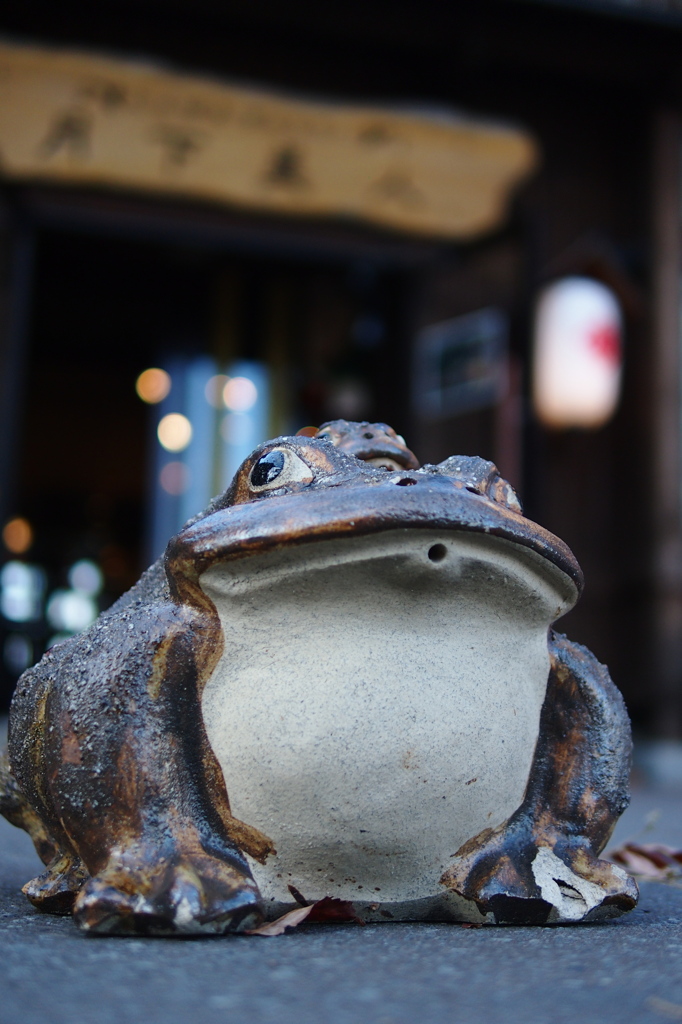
103, 309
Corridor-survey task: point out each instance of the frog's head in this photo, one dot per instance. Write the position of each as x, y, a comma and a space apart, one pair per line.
352, 480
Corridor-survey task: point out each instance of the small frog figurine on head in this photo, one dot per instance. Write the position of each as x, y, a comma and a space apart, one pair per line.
341, 676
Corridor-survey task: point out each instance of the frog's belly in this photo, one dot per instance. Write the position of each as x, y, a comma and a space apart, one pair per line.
373, 708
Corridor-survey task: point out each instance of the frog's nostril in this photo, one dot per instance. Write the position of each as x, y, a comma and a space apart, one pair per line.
405, 481
437, 552
368, 436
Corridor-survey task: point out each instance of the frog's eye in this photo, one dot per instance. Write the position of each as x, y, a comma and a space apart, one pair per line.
279, 468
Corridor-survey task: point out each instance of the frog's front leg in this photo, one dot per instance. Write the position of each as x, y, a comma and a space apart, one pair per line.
542, 864
128, 775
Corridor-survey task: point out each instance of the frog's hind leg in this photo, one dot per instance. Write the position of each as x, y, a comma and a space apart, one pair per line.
136, 786
543, 865
56, 889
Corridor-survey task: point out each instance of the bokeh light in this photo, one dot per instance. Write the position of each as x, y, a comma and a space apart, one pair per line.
70, 610
174, 478
86, 577
21, 591
174, 432
153, 385
17, 536
240, 394
214, 390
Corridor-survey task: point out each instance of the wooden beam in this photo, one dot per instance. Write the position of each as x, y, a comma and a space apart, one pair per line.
666, 407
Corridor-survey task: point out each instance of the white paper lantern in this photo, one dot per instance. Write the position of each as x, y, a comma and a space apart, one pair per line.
577, 359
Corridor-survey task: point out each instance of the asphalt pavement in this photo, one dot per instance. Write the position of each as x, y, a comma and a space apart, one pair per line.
629, 970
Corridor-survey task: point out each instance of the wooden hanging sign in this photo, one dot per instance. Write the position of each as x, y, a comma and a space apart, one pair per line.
82, 119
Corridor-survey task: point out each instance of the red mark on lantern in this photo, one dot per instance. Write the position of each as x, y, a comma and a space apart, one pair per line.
605, 342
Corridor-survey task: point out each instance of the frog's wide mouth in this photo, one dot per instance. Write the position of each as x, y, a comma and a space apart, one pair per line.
418, 561
401, 500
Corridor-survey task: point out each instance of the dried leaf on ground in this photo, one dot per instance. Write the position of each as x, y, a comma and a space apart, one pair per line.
649, 860
325, 911
278, 927
673, 1011
333, 911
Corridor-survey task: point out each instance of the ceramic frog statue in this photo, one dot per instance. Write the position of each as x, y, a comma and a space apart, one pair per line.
341, 676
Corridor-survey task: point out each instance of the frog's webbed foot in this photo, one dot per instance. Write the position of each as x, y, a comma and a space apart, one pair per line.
55, 890
520, 879
138, 895
543, 865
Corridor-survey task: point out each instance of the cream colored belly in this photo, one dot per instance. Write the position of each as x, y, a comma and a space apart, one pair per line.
374, 709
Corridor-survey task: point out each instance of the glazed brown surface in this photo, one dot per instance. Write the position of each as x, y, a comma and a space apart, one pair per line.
111, 770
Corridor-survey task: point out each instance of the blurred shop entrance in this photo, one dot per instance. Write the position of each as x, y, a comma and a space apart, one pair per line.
307, 336
258, 252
